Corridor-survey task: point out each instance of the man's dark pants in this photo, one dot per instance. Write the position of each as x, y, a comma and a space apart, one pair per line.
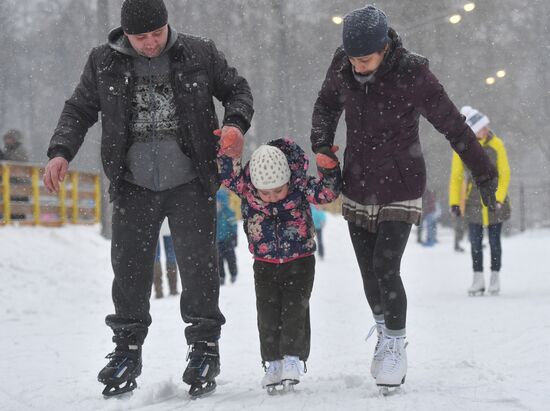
137, 216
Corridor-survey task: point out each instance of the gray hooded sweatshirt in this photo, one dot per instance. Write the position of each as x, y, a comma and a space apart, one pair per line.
154, 159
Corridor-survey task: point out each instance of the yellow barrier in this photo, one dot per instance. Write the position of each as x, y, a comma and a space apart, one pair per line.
25, 200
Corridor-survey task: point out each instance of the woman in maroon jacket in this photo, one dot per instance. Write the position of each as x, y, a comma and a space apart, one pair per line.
383, 89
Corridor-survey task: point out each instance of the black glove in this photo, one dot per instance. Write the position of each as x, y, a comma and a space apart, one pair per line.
455, 210
487, 190
327, 151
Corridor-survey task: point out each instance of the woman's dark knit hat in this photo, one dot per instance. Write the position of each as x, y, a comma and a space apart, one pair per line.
365, 31
142, 16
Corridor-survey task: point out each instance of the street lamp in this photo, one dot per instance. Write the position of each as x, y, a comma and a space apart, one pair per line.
469, 7
491, 79
455, 18
337, 19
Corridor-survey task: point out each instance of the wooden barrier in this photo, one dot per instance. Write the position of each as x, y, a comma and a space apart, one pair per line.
26, 201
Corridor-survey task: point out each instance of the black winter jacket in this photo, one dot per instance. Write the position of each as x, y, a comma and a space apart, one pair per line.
198, 73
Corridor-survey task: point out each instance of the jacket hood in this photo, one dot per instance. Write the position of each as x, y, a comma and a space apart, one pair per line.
393, 55
118, 41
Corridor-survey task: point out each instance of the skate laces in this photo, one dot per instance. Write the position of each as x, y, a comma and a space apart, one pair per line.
291, 362
380, 333
118, 356
201, 349
274, 367
392, 349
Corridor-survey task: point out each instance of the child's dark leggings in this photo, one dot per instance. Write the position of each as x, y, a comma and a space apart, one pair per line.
379, 257
282, 301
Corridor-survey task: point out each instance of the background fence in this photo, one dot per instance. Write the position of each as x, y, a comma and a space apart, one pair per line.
25, 200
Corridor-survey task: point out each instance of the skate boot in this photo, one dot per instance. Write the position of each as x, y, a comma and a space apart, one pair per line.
378, 353
494, 283
393, 369
292, 369
478, 284
273, 376
124, 367
202, 368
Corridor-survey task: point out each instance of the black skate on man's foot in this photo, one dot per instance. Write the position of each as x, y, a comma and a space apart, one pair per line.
123, 368
202, 368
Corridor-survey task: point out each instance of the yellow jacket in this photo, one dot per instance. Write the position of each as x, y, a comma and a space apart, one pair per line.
463, 191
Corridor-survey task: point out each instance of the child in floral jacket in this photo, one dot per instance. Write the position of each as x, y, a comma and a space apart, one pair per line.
276, 191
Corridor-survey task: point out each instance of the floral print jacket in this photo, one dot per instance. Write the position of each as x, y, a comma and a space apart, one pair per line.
282, 231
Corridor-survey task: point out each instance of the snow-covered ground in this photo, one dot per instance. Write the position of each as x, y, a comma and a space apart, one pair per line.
483, 353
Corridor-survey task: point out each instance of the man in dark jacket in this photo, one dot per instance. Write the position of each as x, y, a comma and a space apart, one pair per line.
155, 88
384, 89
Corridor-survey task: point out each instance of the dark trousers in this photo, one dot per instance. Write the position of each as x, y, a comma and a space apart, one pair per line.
282, 302
137, 217
476, 240
379, 257
226, 252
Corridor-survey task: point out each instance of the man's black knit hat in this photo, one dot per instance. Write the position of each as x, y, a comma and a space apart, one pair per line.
365, 31
142, 16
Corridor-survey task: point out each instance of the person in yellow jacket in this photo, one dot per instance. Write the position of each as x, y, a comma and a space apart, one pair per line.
476, 215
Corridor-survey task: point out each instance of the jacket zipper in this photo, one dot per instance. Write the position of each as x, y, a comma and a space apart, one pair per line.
277, 238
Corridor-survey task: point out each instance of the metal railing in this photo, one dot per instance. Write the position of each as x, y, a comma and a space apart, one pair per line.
25, 200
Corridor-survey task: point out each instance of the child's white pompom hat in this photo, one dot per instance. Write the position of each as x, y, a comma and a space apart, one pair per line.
269, 168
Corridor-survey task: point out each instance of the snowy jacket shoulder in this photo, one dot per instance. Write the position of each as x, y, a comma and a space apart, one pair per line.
282, 231
198, 73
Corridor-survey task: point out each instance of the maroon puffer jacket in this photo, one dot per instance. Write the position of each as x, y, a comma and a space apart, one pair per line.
383, 161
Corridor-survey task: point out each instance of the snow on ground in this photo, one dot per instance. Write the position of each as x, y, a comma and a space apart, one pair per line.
482, 353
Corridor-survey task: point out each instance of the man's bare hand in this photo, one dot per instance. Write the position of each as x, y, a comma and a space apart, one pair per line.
55, 172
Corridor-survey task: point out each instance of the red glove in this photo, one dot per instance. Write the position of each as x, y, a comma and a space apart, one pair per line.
328, 160
231, 141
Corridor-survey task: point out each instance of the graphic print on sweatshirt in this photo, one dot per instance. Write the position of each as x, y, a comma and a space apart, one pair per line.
153, 110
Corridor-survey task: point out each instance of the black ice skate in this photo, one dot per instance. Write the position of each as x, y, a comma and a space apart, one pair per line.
202, 368
123, 368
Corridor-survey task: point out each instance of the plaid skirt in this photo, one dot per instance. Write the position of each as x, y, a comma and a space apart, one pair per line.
369, 216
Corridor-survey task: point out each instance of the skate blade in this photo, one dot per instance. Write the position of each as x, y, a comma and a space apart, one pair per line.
390, 389
116, 391
274, 389
284, 387
201, 390
494, 293
476, 293
386, 391
288, 385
